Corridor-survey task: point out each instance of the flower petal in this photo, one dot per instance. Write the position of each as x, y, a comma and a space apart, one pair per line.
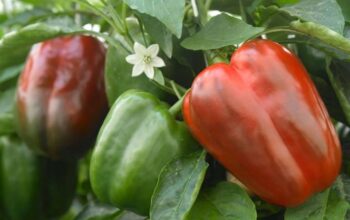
153, 50
139, 49
149, 71
158, 62
138, 69
133, 59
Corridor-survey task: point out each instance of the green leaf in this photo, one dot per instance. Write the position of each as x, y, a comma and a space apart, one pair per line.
125, 215
158, 77
134, 29
338, 73
232, 6
50, 3
15, 46
118, 77
347, 31
178, 186
169, 12
222, 30
324, 12
329, 204
98, 212
6, 111
286, 2
343, 184
27, 16
345, 6
10, 73
159, 33
226, 201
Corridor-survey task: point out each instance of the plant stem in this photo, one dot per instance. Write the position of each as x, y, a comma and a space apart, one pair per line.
207, 5
113, 41
207, 58
124, 11
77, 17
120, 23
195, 8
100, 13
142, 30
4, 6
176, 108
173, 85
164, 88
277, 29
115, 18
241, 9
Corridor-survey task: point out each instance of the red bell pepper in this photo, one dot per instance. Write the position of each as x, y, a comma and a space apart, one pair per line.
61, 98
262, 118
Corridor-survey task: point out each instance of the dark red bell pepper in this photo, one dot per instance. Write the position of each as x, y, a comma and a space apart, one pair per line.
262, 118
61, 98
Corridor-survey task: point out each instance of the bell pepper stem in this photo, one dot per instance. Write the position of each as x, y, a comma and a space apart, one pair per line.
176, 108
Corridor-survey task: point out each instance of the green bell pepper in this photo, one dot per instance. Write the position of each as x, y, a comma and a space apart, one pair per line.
137, 139
33, 187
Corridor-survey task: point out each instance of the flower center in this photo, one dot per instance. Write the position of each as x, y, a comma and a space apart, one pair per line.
147, 59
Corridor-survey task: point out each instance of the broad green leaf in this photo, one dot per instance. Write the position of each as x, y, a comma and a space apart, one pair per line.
343, 184
345, 6
286, 2
3, 17
232, 6
158, 77
327, 205
169, 12
159, 33
337, 206
347, 31
118, 77
338, 73
10, 73
222, 30
6, 111
99, 212
60, 4
225, 201
324, 12
135, 29
15, 46
178, 186
125, 215
27, 16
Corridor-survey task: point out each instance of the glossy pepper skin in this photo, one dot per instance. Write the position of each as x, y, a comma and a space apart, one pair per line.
137, 139
262, 118
61, 99
33, 187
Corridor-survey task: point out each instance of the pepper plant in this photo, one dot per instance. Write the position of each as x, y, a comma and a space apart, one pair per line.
179, 110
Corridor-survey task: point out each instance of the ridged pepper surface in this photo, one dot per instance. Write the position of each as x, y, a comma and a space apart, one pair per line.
262, 118
33, 187
61, 100
137, 139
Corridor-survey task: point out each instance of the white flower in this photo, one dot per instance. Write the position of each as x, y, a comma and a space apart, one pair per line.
145, 59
